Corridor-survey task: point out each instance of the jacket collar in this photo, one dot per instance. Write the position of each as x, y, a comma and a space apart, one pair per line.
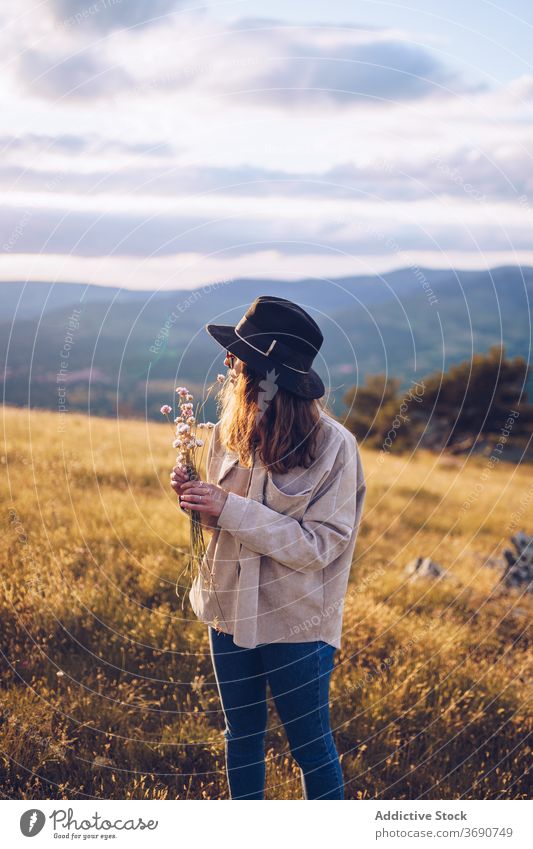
229, 460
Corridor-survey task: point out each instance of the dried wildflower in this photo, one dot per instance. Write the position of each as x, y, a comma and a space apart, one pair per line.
186, 443
221, 378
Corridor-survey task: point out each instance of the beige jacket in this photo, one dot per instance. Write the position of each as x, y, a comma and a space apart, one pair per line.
282, 553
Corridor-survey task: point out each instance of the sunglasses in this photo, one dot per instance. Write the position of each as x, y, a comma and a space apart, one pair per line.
230, 360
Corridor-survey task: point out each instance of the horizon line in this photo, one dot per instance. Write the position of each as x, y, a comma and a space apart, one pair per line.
226, 281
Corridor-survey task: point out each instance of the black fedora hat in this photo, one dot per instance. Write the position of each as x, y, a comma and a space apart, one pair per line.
278, 338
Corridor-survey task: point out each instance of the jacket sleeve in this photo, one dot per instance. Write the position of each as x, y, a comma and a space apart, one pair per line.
326, 529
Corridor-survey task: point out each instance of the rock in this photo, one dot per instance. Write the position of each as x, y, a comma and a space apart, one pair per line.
462, 446
424, 567
100, 761
518, 564
449, 462
519, 612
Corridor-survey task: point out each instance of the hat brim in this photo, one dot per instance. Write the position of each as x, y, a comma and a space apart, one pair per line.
309, 385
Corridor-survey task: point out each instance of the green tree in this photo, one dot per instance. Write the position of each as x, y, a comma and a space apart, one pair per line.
471, 401
370, 404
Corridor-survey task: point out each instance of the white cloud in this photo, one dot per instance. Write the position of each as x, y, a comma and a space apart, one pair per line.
82, 75
252, 138
256, 62
269, 62
105, 15
190, 270
92, 165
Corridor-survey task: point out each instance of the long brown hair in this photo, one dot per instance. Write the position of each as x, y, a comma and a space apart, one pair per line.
284, 428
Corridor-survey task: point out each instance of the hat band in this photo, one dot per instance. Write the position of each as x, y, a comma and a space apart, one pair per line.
275, 345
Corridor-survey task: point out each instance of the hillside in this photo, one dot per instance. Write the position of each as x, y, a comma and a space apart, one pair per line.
107, 689
128, 349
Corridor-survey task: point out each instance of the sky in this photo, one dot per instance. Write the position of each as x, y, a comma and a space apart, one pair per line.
163, 144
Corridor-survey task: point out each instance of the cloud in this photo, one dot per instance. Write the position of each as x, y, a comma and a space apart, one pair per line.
521, 88
81, 76
499, 172
75, 145
94, 234
343, 74
297, 182
251, 62
271, 62
107, 15
164, 180
363, 228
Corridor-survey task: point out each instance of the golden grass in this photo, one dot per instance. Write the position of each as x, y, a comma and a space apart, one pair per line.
107, 686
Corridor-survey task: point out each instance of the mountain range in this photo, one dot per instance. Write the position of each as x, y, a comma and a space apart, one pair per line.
127, 349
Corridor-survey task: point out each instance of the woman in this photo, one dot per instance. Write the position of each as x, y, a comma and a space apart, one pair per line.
283, 497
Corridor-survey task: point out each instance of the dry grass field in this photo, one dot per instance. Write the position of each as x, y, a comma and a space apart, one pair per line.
107, 689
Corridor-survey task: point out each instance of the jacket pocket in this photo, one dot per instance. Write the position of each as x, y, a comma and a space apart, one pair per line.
289, 504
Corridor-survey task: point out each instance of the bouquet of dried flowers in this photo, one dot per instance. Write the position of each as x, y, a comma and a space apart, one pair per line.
190, 447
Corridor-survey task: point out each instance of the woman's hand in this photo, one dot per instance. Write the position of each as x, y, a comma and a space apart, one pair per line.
204, 497
197, 494
178, 477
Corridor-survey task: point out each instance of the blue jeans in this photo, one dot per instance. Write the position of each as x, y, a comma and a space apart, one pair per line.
298, 675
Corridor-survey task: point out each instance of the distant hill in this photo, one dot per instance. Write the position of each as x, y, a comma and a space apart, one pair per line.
26, 300
128, 348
